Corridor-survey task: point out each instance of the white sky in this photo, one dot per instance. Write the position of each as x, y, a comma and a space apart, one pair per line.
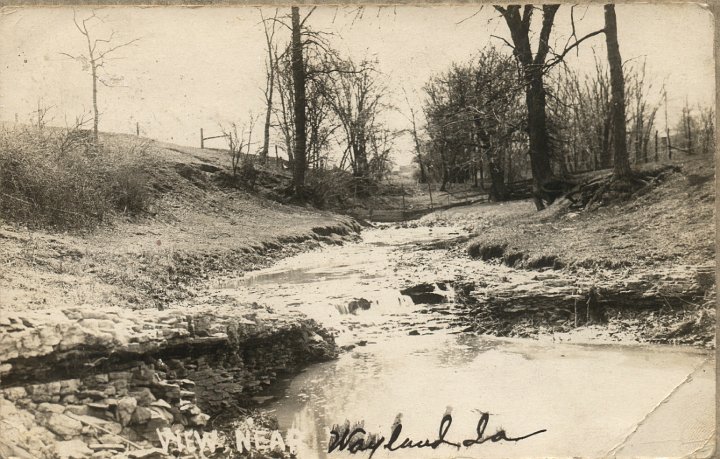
198, 67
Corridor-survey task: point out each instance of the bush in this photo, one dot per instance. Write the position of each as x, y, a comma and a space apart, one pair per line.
325, 188
248, 173
57, 178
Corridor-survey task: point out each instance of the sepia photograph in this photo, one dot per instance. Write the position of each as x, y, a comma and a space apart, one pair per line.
358, 231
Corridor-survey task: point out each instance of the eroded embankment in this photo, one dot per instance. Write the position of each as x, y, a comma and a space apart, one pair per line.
83, 382
637, 263
662, 303
659, 306
144, 266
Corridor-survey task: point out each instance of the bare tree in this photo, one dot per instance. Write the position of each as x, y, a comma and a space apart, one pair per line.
533, 68
641, 111
269, 27
617, 100
356, 97
706, 127
580, 113
98, 54
474, 111
239, 146
299, 78
687, 127
320, 123
416, 142
284, 110
42, 114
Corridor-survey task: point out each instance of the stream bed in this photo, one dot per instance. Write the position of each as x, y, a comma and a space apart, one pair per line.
406, 363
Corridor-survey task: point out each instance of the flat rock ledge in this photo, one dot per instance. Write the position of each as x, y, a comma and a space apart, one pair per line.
93, 382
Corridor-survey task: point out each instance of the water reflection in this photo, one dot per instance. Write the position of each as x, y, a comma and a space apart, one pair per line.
570, 390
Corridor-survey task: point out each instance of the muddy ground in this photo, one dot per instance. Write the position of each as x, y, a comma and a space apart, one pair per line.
649, 259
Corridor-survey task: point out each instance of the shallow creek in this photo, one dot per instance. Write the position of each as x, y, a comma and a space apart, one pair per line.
405, 363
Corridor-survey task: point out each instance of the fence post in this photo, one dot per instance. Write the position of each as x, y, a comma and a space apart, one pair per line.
137, 128
402, 190
202, 139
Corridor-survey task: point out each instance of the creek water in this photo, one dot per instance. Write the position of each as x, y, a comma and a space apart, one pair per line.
409, 366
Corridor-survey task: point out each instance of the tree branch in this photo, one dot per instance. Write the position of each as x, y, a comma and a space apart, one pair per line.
504, 40
561, 56
115, 48
471, 16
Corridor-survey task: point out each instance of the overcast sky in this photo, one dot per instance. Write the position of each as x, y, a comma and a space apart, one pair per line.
198, 67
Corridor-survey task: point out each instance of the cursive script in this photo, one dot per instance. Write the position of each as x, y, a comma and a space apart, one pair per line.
357, 440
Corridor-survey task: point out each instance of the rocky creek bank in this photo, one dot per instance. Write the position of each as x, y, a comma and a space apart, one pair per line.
100, 382
670, 304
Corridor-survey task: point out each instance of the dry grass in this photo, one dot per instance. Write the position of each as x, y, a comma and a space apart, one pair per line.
193, 227
56, 178
672, 223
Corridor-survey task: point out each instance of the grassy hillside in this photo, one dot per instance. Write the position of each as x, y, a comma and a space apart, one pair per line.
191, 220
672, 222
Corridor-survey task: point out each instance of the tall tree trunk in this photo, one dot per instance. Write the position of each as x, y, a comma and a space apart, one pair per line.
269, 87
482, 174
298, 72
96, 114
605, 153
688, 130
537, 133
443, 168
532, 68
268, 114
617, 99
498, 190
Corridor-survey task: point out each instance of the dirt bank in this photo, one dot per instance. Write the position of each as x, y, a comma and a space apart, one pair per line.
196, 225
104, 337
643, 267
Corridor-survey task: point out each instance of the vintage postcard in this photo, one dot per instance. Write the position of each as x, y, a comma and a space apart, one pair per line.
411, 231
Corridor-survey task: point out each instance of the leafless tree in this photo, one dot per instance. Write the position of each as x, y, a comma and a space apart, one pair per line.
320, 123
417, 143
687, 127
706, 126
302, 84
641, 111
617, 99
474, 112
357, 98
299, 78
534, 66
42, 114
239, 142
269, 28
99, 52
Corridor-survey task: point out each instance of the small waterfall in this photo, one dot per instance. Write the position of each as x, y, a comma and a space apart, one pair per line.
342, 309
382, 302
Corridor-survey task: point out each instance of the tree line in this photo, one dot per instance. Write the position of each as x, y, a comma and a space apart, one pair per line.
324, 102
501, 116
526, 114
316, 102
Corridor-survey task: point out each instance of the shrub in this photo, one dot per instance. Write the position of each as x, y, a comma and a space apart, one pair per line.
325, 188
248, 173
57, 178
